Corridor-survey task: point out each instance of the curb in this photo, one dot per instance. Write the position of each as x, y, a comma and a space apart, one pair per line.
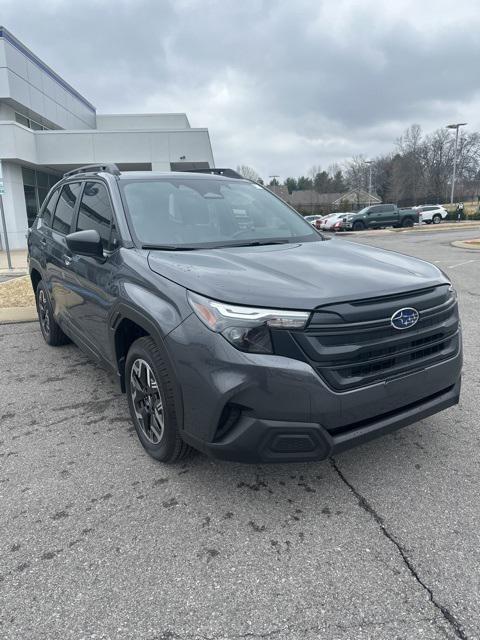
427, 228
465, 245
11, 315
13, 272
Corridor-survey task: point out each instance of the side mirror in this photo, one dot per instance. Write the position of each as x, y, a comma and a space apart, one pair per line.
86, 243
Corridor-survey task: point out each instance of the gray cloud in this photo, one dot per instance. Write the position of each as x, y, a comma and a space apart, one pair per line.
280, 85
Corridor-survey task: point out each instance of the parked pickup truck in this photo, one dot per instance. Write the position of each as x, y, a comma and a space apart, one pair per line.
382, 215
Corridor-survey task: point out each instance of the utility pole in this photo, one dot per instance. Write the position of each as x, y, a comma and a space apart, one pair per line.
369, 162
456, 127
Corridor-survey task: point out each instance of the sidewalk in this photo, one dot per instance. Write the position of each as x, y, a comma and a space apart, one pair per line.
19, 263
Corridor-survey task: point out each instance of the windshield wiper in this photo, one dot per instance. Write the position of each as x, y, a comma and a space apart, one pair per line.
254, 243
180, 247
169, 247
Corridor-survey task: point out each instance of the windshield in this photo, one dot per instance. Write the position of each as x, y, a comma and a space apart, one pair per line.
365, 210
179, 211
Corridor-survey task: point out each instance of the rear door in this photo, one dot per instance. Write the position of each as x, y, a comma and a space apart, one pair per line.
92, 292
389, 215
40, 236
58, 255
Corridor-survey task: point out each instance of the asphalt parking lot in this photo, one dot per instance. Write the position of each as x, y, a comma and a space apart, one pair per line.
100, 541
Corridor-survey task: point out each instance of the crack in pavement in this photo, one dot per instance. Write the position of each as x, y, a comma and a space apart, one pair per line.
288, 628
367, 507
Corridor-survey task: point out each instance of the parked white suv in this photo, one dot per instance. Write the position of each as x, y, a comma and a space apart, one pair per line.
431, 213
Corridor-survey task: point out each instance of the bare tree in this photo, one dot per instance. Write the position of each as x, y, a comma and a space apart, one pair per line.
356, 173
409, 166
248, 172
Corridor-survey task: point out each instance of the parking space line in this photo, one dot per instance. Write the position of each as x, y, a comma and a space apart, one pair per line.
460, 264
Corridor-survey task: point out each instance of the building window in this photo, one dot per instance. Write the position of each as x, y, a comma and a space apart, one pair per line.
28, 122
36, 185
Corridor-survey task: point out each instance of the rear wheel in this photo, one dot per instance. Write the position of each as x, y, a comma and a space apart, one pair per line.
408, 222
51, 331
358, 225
437, 218
150, 393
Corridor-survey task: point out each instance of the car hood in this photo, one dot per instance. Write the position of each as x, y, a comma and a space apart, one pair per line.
295, 276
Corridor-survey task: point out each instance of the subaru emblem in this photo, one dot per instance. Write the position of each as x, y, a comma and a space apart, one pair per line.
404, 318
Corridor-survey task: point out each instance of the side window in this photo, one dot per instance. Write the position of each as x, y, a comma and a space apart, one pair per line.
389, 208
96, 213
65, 208
49, 208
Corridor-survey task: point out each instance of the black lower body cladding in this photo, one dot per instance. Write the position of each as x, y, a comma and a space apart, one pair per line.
283, 410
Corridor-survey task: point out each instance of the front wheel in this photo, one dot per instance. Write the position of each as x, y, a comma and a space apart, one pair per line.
150, 394
437, 218
358, 225
51, 332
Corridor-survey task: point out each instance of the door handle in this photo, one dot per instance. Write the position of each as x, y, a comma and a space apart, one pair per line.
43, 241
67, 260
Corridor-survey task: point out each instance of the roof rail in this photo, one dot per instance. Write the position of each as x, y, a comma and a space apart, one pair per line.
228, 173
94, 168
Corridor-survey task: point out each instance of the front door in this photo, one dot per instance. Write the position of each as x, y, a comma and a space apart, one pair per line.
93, 291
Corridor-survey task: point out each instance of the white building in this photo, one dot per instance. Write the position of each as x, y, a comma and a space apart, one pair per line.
48, 128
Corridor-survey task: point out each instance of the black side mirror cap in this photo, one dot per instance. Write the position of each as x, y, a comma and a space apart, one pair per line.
86, 243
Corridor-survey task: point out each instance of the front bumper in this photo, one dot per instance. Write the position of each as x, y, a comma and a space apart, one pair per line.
257, 440
285, 411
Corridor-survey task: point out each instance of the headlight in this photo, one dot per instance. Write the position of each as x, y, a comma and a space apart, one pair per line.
246, 328
452, 291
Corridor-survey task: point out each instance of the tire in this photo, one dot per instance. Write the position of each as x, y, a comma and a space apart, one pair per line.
51, 332
358, 225
408, 222
145, 371
437, 218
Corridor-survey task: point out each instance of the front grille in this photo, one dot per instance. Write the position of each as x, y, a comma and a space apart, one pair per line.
354, 344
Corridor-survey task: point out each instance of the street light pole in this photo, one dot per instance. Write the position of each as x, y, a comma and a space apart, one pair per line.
4, 222
456, 127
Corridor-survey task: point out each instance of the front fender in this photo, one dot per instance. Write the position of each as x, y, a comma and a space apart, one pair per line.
149, 322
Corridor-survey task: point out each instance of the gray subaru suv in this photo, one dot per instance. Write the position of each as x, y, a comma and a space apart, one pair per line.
233, 326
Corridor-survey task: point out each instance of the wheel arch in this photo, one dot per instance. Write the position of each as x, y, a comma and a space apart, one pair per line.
128, 325
35, 277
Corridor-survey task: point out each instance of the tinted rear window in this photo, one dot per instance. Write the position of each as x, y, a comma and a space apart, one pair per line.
49, 208
62, 221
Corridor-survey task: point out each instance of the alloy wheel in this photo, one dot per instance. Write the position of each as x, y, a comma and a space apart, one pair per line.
147, 401
44, 312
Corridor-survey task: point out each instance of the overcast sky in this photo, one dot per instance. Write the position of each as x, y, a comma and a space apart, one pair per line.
281, 85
